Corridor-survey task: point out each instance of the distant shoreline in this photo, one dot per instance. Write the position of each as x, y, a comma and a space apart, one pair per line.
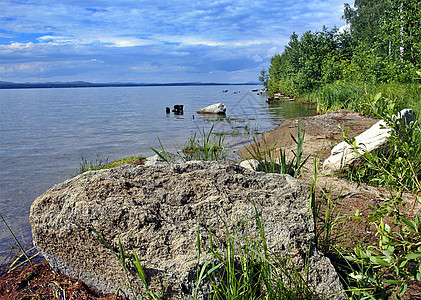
12, 85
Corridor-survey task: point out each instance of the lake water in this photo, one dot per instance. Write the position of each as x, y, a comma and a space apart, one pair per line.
45, 133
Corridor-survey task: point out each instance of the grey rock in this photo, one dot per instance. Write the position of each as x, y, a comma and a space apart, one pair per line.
159, 210
217, 109
342, 155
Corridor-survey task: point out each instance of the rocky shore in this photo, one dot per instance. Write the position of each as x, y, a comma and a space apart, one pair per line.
322, 133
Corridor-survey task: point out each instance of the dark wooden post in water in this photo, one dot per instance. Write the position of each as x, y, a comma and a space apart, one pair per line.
178, 109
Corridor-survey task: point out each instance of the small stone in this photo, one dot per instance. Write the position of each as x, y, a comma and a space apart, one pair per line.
251, 164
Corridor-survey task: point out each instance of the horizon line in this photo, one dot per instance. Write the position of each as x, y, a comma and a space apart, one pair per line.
76, 84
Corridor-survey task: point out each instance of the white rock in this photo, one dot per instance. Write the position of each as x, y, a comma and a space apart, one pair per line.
251, 164
342, 154
218, 108
158, 161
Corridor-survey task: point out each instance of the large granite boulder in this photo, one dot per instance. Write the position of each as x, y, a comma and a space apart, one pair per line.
214, 109
159, 211
342, 155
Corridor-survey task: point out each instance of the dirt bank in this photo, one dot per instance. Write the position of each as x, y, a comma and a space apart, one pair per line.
322, 133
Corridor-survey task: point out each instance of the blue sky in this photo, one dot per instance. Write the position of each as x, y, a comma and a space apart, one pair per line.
151, 41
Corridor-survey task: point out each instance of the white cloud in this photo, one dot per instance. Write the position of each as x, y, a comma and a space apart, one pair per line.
183, 35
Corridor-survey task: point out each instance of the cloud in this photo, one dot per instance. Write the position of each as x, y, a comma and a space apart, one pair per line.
130, 38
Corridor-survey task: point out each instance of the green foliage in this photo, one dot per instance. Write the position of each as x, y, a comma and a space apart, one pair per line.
397, 166
328, 222
205, 146
131, 262
269, 164
383, 45
244, 268
264, 78
338, 95
388, 267
99, 164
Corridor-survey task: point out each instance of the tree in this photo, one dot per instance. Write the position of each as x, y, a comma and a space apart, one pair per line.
264, 78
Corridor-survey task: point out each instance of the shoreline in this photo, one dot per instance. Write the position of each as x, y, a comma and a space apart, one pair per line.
321, 133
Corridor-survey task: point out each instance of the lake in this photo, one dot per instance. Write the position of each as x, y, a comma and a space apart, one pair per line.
45, 133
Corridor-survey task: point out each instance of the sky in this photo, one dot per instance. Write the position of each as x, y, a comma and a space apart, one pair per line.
151, 41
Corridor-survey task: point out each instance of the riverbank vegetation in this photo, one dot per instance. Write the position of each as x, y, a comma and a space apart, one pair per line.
373, 67
379, 52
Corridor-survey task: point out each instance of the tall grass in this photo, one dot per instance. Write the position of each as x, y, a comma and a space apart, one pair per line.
335, 96
204, 145
24, 257
357, 96
244, 268
326, 214
271, 161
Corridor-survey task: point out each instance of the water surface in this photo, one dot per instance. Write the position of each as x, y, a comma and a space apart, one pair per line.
45, 133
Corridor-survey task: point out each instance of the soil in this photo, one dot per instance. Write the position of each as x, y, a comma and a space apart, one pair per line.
39, 281
322, 132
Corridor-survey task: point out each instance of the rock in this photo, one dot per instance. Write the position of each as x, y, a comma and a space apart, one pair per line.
159, 211
158, 161
251, 164
342, 156
218, 109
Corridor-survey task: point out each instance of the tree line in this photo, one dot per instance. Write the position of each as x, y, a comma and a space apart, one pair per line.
381, 45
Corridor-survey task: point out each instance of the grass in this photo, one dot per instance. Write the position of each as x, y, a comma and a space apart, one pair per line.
204, 145
24, 258
239, 267
99, 164
270, 164
341, 95
358, 96
244, 268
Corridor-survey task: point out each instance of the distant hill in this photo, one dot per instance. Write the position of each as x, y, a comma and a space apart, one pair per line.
75, 84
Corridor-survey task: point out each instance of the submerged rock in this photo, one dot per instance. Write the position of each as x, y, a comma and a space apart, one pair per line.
218, 109
159, 211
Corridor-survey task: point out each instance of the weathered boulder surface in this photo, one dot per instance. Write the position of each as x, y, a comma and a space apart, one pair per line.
216, 109
159, 210
342, 155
